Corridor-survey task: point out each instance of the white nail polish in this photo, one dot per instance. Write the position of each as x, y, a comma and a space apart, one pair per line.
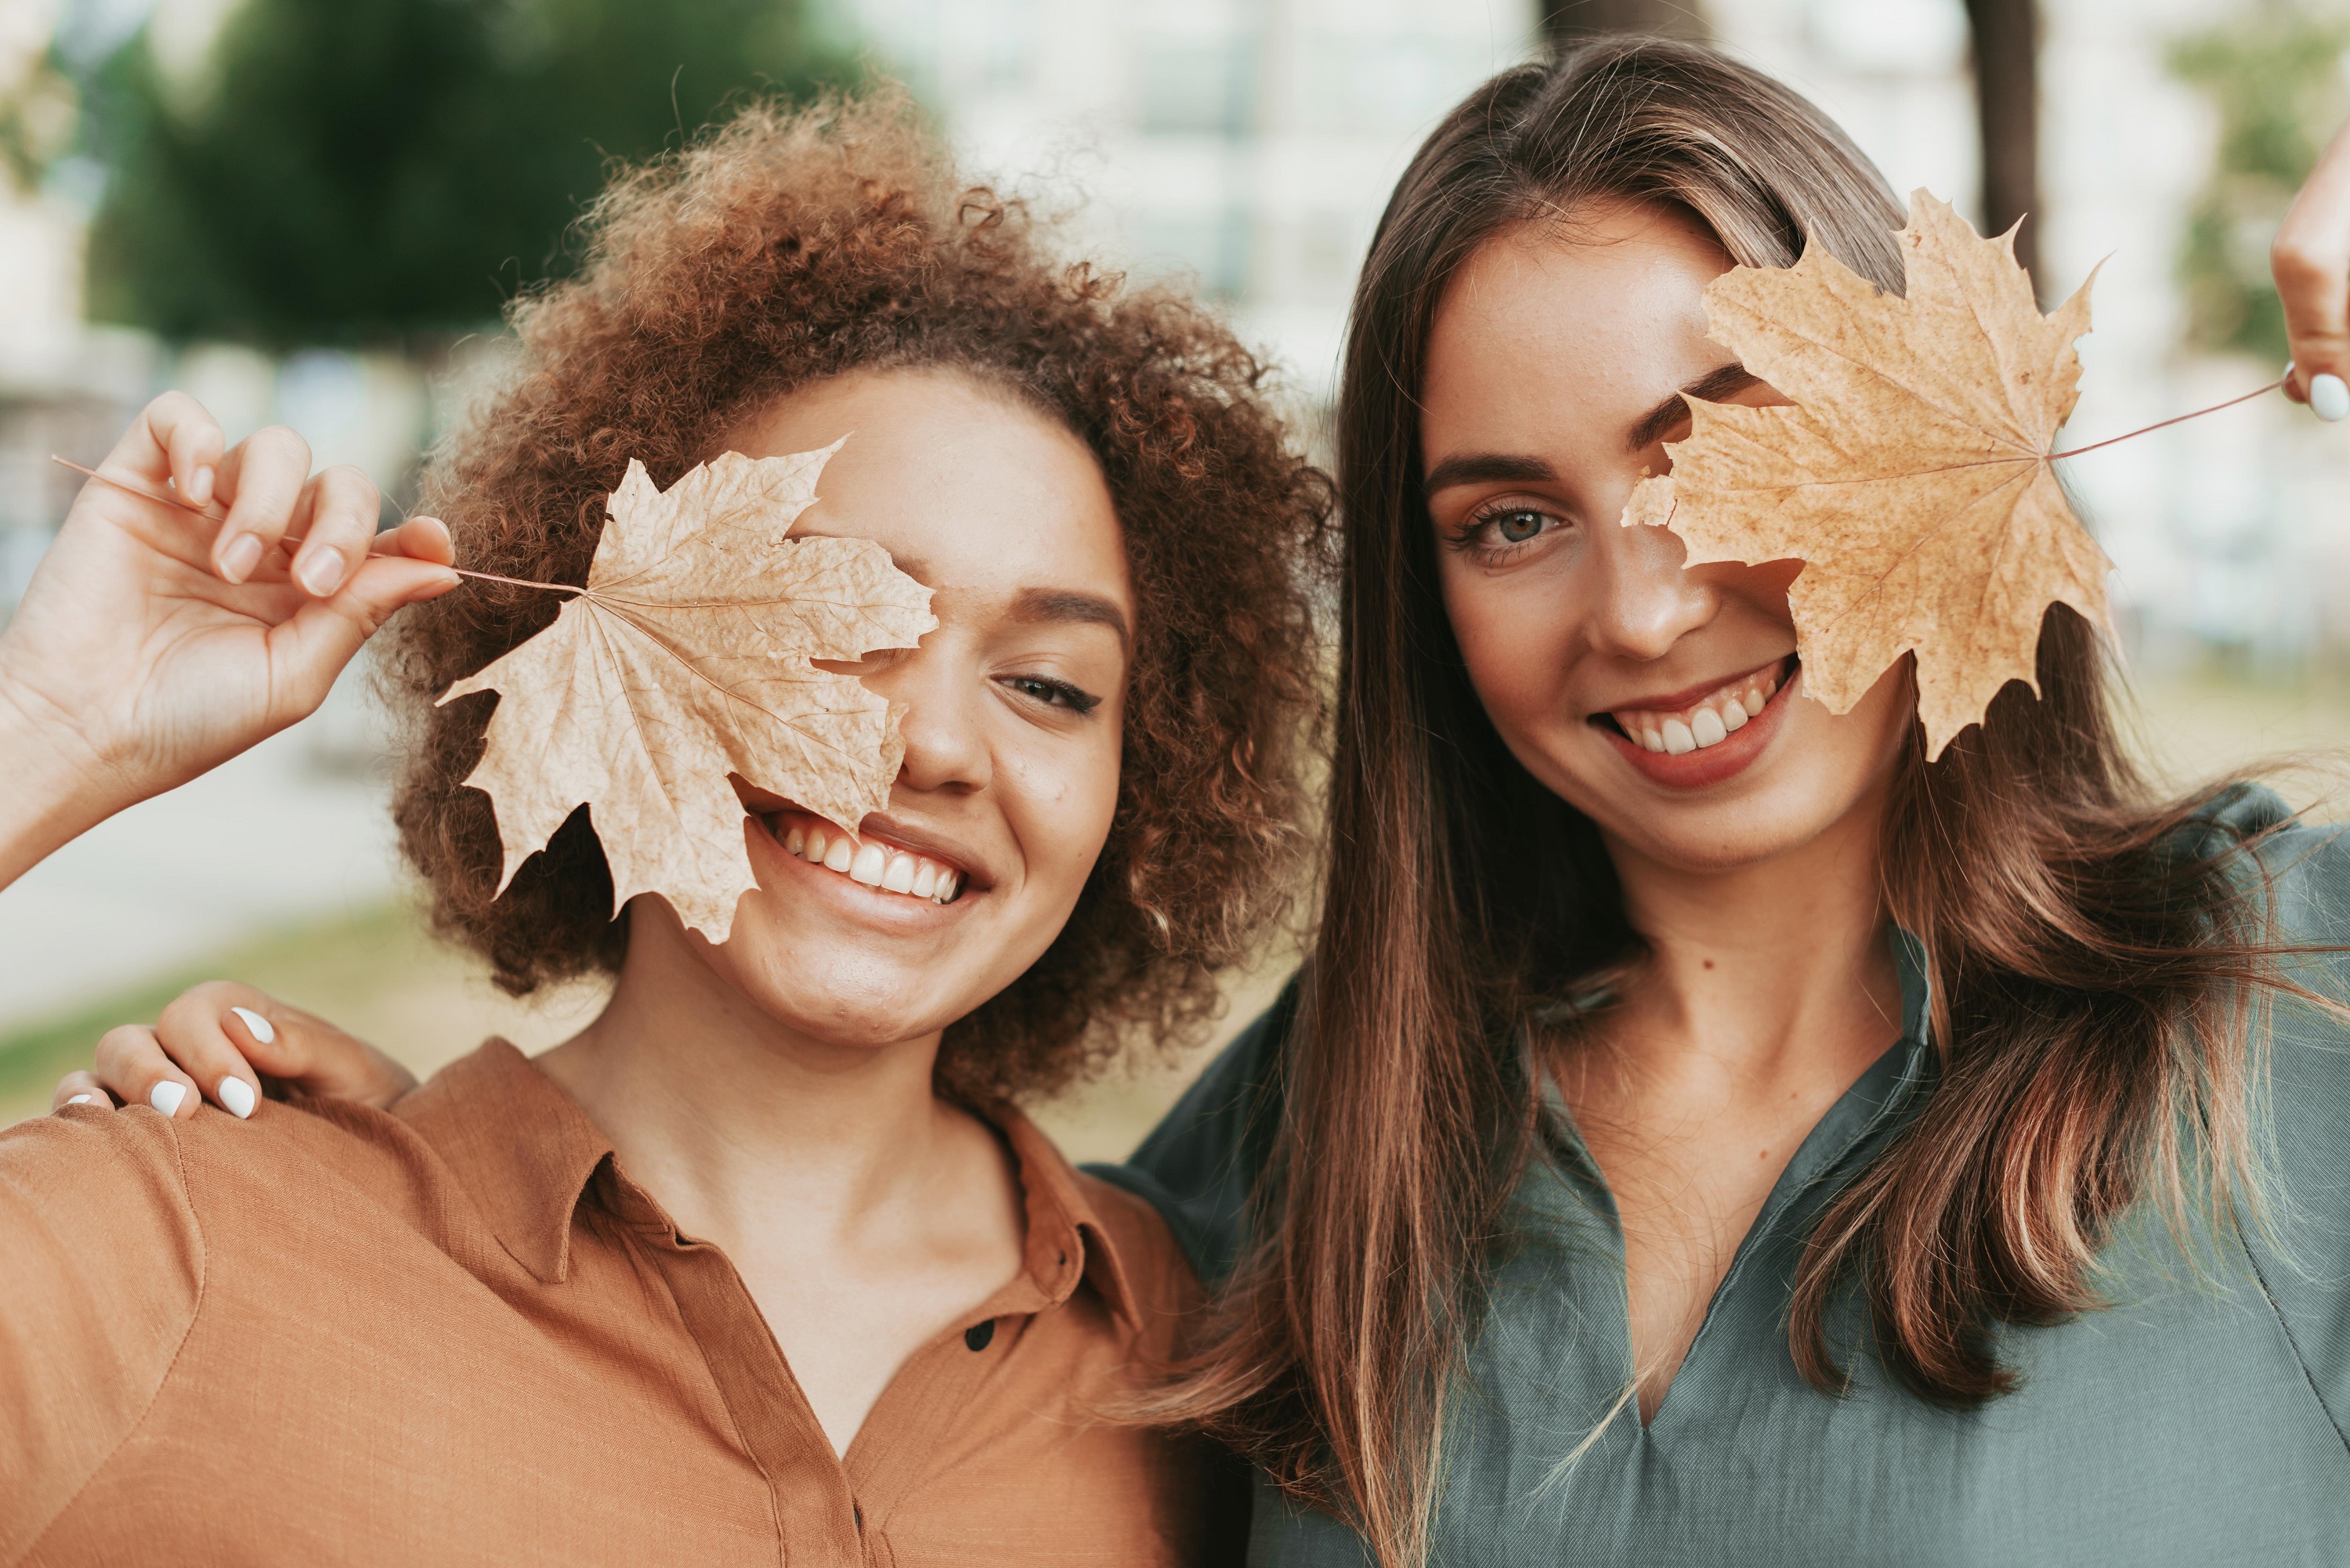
81, 1099
260, 1027
166, 1097
238, 1095
2329, 399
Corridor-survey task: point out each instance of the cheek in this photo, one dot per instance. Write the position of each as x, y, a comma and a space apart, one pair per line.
1516, 638
1059, 806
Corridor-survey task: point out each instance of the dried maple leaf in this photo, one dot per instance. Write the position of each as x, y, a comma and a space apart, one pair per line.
1911, 476
687, 658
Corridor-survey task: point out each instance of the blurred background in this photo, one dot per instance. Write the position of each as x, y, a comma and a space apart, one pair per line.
312, 212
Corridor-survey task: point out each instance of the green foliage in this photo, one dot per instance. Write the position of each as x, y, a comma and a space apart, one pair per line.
370, 171
2276, 79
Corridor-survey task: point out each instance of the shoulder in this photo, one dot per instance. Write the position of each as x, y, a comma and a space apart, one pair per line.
1199, 1165
102, 1269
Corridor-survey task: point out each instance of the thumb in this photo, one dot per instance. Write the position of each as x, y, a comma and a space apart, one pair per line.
311, 648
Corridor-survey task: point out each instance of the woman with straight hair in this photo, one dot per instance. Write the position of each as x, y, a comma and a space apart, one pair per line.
1785, 1149
1768, 1146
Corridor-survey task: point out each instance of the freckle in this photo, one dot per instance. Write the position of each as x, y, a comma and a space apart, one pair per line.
1708, 963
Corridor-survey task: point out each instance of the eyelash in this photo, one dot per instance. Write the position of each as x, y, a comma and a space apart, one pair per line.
1055, 694
1477, 525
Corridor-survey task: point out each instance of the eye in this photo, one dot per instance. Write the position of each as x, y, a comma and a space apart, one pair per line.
1516, 527
1499, 530
1051, 693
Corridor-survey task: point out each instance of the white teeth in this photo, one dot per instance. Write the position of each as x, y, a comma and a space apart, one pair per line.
875, 866
1708, 723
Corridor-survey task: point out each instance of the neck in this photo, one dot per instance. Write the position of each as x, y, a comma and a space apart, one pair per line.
737, 1123
1776, 966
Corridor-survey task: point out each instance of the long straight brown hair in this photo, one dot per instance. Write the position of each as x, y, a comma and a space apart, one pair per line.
2089, 976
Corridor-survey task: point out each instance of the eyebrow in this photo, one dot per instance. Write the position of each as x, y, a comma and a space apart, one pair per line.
1488, 468
1716, 384
1065, 606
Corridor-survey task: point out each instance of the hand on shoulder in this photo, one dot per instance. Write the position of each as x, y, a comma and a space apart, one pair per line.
233, 1045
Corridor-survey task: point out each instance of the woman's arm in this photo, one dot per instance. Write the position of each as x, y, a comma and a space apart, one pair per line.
223, 1040
156, 642
2311, 259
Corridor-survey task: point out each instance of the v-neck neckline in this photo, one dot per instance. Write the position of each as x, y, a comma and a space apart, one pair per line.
1886, 1085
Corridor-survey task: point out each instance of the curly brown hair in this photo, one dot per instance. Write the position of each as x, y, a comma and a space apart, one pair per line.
786, 246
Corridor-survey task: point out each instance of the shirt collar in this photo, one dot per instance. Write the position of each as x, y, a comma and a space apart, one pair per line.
526, 1153
521, 1148
1067, 1238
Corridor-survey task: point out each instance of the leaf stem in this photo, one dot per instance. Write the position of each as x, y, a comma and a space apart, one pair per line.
168, 498
2176, 419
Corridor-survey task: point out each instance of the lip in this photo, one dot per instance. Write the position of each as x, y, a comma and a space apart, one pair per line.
1708, 764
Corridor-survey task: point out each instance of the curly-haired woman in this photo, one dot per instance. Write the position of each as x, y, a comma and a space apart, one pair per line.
762, 1263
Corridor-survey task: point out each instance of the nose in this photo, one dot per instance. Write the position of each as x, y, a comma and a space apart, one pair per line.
946, 736
1645, 600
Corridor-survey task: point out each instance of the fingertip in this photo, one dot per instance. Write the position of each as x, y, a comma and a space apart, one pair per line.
263, 1032
200, 485
236, 1098
167, 1097
237, 558
2329, 398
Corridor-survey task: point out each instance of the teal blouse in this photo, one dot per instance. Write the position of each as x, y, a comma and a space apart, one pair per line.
2200, 1419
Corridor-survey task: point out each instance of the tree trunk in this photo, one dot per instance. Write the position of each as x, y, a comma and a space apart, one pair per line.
1568, 22
2007, 109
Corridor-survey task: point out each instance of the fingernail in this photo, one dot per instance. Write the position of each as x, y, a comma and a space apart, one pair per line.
81, 1099
200, 486
238, 1095
166, 1097
2329, 398
243, 554
260, 1028
321, 572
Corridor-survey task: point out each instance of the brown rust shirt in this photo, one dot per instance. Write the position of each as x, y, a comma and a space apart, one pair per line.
457, 1333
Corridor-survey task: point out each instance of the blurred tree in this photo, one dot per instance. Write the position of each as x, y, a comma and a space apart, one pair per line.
2007, 118
2275, 78
1567, 21
356, 171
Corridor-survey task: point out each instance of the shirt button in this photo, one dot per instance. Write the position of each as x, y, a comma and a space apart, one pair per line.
978, 1336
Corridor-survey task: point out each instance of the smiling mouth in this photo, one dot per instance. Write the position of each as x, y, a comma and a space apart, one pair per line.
1707, 721
883, 867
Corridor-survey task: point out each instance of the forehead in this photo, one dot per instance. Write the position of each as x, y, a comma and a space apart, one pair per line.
964, 485
1584, 320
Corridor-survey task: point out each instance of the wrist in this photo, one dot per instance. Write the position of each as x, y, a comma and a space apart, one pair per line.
53, 786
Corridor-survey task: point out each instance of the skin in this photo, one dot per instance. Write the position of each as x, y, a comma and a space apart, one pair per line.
2311, 259
156, 642
774, 1093
1554, 369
